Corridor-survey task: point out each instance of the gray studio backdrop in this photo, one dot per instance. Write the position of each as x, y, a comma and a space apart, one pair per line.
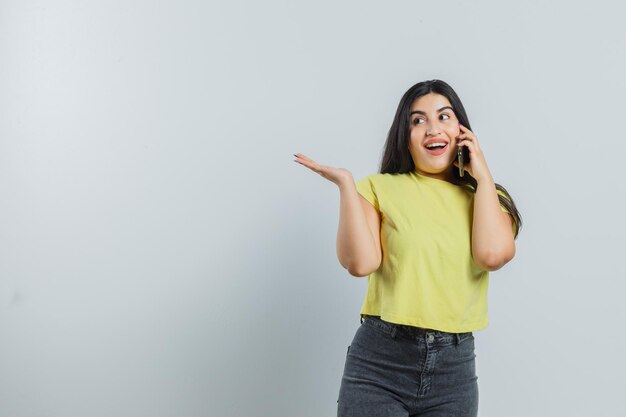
162, 255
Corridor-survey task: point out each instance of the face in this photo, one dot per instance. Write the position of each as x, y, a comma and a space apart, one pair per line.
433, 120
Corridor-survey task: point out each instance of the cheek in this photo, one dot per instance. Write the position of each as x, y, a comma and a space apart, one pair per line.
416, 135
453, 131
415, 143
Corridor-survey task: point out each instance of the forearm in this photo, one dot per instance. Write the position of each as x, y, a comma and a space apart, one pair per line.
492, 237
356, 249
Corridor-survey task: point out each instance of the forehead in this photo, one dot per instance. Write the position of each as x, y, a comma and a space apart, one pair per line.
430, 102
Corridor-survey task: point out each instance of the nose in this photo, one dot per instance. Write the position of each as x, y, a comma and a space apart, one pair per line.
432, 130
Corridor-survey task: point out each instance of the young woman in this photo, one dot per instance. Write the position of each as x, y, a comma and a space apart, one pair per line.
426, 236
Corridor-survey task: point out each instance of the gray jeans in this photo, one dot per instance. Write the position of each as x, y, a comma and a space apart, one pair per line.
393, 370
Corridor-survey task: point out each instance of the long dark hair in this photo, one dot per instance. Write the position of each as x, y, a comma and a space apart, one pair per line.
397, 158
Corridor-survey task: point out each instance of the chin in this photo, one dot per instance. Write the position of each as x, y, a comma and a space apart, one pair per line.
440, 170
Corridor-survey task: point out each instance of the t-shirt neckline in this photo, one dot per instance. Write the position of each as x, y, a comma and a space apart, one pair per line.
431, 178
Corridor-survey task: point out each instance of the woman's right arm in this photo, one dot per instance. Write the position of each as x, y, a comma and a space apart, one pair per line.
358, 235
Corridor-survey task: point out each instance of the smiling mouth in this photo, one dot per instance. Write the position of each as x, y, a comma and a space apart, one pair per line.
437, 150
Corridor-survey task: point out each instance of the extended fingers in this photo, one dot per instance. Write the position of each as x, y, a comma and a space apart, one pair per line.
302, 158
306, 161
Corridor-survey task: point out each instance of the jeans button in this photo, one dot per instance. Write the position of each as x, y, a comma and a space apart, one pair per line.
431, 338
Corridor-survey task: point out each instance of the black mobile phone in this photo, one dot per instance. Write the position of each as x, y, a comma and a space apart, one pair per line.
463, 158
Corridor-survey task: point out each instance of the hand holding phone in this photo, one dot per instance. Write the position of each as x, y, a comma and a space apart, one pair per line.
463, 157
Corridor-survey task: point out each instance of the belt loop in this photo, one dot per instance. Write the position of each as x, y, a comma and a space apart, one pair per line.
458, 338
394, 329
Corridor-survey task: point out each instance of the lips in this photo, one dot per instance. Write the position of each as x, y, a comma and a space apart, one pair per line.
436, 151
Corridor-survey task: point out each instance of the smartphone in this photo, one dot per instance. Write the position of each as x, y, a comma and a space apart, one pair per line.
463, 157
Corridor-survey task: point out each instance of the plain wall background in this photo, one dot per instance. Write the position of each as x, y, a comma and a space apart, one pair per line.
162, 255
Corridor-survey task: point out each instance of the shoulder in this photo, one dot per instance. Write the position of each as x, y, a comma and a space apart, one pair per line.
377, 188
382, 179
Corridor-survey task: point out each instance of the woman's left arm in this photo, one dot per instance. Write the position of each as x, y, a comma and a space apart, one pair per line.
493, 243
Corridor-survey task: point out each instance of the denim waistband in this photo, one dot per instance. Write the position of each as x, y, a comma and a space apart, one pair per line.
412, 332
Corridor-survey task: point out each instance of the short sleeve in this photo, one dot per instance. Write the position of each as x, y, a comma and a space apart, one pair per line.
504, 209
366, 188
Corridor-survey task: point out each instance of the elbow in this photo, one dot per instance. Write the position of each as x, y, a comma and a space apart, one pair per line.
492, 266
357, 270
495, 259
357, 273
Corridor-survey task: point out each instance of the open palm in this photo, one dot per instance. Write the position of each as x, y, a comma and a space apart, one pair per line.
336, 175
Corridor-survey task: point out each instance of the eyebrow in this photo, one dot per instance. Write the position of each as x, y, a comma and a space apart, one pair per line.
421, 112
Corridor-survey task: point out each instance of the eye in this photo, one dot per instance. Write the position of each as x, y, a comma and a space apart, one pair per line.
416, 120
447, 116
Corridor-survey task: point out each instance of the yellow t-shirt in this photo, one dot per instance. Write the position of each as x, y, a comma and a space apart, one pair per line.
427, 277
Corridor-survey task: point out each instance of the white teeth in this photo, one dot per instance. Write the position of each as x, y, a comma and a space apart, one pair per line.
436, 144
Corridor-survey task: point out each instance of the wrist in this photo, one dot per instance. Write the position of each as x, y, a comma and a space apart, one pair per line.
345, 182
487, 180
